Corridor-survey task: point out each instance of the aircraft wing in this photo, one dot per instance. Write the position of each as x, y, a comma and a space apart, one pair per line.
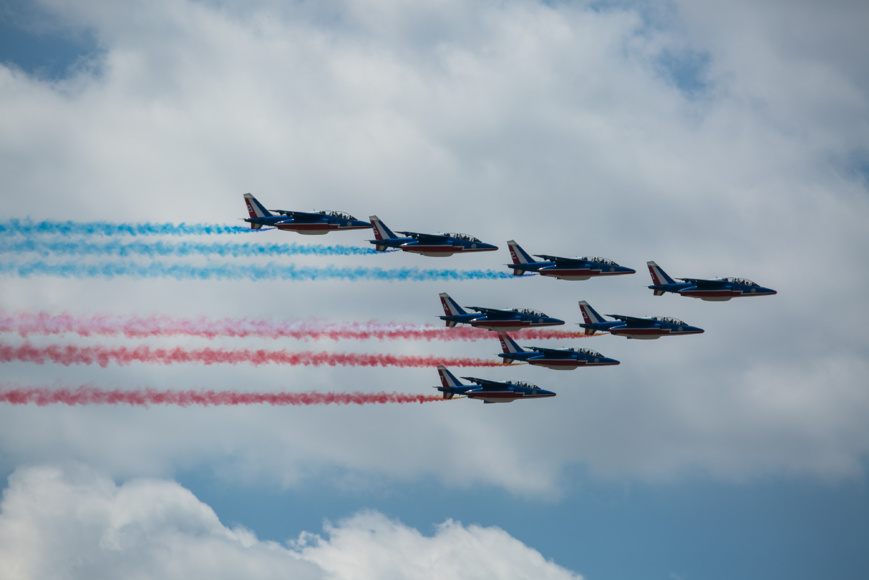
564, 262
704, 283
300, 216
552, 352
633, 320
493, 312
426, 238
487, 384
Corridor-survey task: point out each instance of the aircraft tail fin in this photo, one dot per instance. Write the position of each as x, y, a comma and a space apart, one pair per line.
508, 345
659, 276
449, 381
450, 308
518, 255
589, 316
255, 209
381, 232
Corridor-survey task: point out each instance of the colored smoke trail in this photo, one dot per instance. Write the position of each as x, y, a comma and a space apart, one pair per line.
87, 395
46, 247
41, 323
89, 355
255, 272
70, 228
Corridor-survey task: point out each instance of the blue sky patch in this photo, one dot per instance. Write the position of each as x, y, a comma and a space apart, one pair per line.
697, 528
41, 45
687, 70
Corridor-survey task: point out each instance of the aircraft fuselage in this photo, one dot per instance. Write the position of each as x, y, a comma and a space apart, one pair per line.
583, 273
651, 333
510, 325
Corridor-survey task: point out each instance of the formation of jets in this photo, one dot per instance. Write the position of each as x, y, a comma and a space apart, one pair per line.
503, 321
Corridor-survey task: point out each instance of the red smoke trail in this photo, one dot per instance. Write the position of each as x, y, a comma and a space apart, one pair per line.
28, 323
86, 395
88, 355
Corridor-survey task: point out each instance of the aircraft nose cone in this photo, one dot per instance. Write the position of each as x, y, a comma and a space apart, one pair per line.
629, 271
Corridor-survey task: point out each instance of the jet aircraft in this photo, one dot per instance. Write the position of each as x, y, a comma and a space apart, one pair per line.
310, 223
492, 318
560, 359
719, 290
633, 327
426, 244
563, 268
488, 391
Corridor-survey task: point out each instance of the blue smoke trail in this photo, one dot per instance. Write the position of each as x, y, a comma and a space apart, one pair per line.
70, 228
240, 272
46, 247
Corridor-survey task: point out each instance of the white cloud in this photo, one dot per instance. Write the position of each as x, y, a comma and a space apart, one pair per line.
73, 523
369, 545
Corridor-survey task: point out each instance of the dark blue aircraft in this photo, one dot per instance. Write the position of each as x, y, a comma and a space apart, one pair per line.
633, 327
492, 318
563, 268
560, 359
488, 391
311, 223
718, 290
426, 244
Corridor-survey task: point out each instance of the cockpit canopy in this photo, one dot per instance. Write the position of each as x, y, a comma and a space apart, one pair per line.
744, 281
465, 237
337, 214
587, 351
523, 384
669, 319
599, 259
530, 312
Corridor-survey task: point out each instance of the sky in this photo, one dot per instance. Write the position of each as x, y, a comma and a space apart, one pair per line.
715, 140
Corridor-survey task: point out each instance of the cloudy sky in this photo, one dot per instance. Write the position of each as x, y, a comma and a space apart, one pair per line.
716, 140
